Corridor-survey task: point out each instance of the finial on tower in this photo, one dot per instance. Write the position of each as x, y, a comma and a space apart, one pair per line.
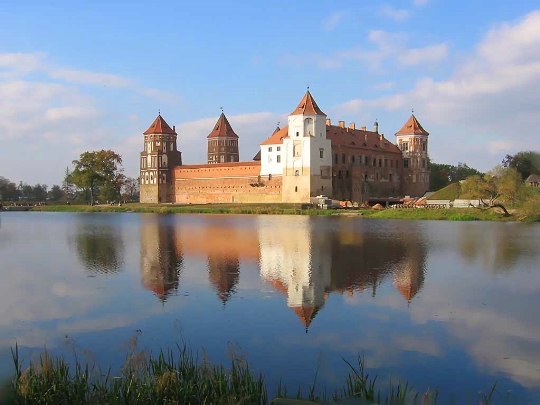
412, 110
221, 109
278, 123
307, 86
159, 112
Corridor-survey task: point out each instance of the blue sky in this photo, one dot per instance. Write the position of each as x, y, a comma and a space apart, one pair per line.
77, 76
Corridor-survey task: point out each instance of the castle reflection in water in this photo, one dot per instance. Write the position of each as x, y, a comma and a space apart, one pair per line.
305, 260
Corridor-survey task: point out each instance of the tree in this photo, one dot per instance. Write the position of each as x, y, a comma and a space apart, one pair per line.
8, 190
55, 193
39, 192
97, 169
67, 185
526, 163
130, 190
442, 175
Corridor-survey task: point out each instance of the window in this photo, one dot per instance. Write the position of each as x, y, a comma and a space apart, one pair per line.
346, 174
424, 146
365, 160
385, 162
321, 153
352, 159
269, 177
423, 163
278, 158
298, 134
343, 158
339, 175
374, 162
390, 177
397, 164
278, 148
365, 176
380, 162
391, 163
270, 149
297, 172
405, 163
296, 189
335, 159
405, 146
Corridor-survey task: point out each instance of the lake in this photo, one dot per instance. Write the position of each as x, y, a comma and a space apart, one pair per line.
441, 304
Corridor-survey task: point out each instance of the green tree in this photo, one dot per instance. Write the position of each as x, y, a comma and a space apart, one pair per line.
97, 169
8, 190
442, 175
39, 192
55, 193
67, 185
130, 190
526, 163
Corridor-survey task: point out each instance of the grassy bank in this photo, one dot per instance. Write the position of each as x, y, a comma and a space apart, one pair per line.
179, 378
529, 212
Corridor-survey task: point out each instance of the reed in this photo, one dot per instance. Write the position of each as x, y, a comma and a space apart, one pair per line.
178, 377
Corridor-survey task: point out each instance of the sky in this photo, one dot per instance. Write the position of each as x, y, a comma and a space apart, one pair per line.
77, 76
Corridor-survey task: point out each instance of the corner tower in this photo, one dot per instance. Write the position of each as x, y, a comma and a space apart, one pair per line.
222, 142
158, 159
307, 166
412, 139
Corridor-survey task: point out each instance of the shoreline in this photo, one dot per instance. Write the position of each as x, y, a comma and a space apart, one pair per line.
448, 214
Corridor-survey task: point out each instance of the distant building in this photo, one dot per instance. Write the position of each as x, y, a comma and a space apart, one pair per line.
306, 158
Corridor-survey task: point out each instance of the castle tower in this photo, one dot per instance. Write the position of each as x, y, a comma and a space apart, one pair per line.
158, 159
222, 142
412, 139
307, 166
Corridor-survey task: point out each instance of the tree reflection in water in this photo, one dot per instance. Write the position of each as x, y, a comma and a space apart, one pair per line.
99, 246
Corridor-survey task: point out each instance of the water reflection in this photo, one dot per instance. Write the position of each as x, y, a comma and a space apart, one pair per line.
99, 245
499, 249
307, 263
161, 257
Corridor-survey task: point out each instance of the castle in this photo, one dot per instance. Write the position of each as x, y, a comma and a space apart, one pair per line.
306, 158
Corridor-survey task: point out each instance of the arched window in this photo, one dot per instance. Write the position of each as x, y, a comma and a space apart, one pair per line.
308, 127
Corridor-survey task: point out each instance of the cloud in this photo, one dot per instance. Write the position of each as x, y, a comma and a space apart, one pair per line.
497, 147
87, 77
332, 21
394, 13
420, 2
489, 94
383, 86
383, 46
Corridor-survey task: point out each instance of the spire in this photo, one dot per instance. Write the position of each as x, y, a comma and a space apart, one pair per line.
308, 106
412, 127
306, 314
159, 126
222, 129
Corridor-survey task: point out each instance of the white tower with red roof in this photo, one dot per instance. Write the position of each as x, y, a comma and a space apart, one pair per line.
307, 161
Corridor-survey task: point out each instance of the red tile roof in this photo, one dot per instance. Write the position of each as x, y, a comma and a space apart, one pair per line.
308, 106
277, 136
222, 129
159, 126
412, 127
306, 314
358, 138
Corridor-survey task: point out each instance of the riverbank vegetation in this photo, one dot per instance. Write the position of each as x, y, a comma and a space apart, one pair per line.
178, 377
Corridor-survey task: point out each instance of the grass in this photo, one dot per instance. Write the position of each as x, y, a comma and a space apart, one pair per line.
450, 192
448, 214
179, 378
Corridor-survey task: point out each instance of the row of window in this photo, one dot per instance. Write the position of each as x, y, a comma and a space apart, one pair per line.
222, 142
365, 161
278, 148
405, 145
340, 175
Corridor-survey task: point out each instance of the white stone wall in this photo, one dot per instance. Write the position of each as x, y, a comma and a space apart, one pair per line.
269, 159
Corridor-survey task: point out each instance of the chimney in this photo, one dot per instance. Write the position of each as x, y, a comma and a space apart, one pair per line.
342, 124
328, 122
352, 125
174, 128
364, 128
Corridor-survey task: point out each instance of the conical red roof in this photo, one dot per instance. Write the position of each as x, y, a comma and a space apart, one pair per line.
412, 127
159, 126
222, 129
308, 106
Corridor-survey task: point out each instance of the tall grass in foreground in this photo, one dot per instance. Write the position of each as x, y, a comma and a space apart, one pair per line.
180, 378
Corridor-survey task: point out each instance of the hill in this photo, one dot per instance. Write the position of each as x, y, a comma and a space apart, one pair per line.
450, 192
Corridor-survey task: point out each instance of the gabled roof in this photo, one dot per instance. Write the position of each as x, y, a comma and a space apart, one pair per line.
257, 157
307, 106
222, 129
412, 127
533, 178
277, 136
306, 314
159, 126
360, 139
